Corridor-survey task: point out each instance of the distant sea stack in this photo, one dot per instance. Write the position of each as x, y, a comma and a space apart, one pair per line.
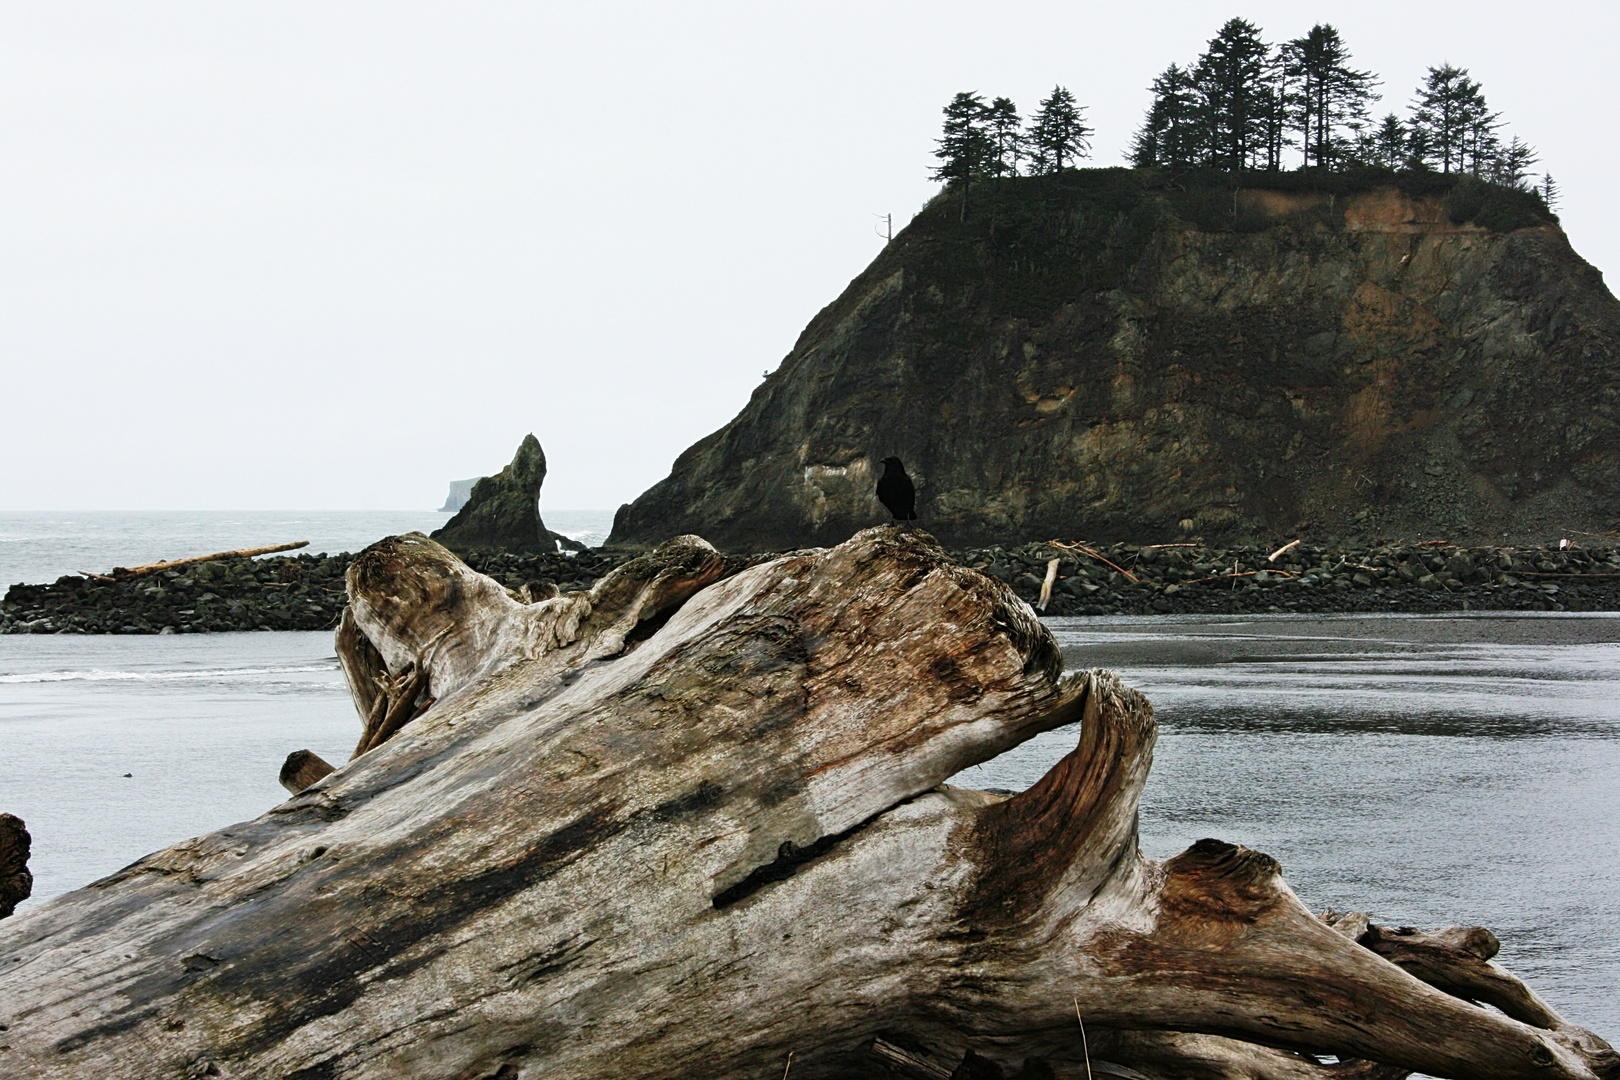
1132, 355
460, 492
503, 511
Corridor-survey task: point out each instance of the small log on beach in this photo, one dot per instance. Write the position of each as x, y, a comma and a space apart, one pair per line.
16, 883
694, 823
303, 768
125, 573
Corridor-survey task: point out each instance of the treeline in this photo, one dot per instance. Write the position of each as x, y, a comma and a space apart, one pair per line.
1247, 105
989, 139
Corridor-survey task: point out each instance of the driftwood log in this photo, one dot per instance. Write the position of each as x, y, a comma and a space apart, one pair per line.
125, 573
16, 883
695, 821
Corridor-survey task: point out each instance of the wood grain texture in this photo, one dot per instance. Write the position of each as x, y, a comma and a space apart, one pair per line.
695, 820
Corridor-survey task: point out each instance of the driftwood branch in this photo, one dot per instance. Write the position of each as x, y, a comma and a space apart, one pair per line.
696, 820
124, 573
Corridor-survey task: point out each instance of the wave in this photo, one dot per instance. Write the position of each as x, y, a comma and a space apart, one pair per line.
98, 675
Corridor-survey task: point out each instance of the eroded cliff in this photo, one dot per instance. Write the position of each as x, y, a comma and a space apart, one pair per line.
1113, 355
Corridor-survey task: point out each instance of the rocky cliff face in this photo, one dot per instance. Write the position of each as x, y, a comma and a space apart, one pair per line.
1111, 356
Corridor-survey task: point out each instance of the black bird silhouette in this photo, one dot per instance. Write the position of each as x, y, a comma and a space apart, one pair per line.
896, 492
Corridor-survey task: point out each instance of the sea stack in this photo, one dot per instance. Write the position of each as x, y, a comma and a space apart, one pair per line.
503, 512
1131, 355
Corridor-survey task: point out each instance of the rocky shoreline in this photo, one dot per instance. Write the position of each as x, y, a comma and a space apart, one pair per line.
306, 592
303, 592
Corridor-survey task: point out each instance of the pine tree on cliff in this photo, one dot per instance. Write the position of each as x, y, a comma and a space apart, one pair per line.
1550, 192
1384, 146
1169, 135
1512, 164
1231, 80
1449, 111
1329, 95
1483, 148
966, 147
1006, 137
1273, 100
1057, 134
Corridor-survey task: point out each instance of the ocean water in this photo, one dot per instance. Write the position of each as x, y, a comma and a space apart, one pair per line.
41, 546
1430, 770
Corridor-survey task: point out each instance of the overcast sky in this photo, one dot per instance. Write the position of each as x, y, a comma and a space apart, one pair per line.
332, 255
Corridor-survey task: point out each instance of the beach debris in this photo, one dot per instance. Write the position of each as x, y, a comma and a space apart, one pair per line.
303, 768
1047, 583
125, 573
16, 883
1285, 549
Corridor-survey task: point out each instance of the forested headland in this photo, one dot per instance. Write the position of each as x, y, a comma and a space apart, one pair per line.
1297, 108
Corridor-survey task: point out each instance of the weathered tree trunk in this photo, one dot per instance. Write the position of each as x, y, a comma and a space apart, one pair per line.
694, 821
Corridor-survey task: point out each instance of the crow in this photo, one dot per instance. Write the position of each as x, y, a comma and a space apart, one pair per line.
895, 490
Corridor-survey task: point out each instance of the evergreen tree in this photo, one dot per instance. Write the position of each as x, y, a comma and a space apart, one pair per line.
1449, 110
1482, 147
1419, 151
1057, 134
1169, 134
1549, 191
1512, 163
966, 147
1385, 145
1330, 95
1230, 78
1005, 136
1274, 102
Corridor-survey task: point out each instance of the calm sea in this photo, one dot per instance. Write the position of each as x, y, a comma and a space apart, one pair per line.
1428, 770
41, 546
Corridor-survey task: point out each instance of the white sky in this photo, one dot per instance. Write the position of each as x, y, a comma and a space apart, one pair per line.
332, 255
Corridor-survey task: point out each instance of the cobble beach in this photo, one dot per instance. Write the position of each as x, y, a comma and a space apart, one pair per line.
306, 592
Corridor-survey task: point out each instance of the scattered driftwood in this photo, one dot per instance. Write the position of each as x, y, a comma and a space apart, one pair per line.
303, 768
1091, 553
695, 821
125, 573
1285, 549
1046, 584
16, 883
